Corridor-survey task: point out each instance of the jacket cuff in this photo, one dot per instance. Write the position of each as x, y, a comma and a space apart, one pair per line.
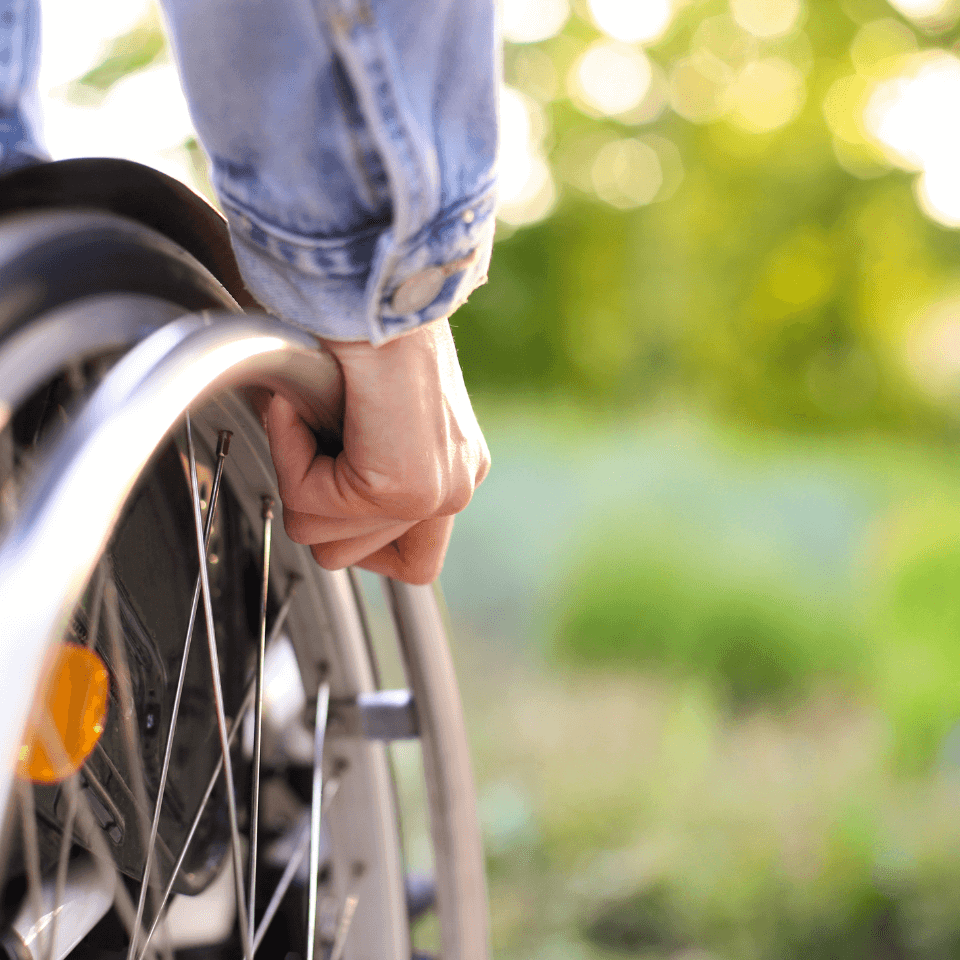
366, 286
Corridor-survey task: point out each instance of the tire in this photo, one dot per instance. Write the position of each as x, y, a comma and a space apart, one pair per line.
104, 500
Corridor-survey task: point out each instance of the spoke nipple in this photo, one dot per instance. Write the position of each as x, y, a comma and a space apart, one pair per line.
223, 442
267, 512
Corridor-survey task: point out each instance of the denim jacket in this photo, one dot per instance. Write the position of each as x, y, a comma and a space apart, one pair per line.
352, 145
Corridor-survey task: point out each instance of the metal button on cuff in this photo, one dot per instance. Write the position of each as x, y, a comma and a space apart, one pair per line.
422, 288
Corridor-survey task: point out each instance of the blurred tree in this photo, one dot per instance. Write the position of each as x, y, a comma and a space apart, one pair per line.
780, 269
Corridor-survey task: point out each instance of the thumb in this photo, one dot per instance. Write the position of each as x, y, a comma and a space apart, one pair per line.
293, 445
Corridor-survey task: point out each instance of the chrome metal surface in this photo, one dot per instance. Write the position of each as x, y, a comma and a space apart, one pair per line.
223, 444
347, 911
92, 327
181, 366
267, 515
378, 715
218, 696
215, 775
316, 814
64, 919
75, 499
72, 790
451, 794
130, 731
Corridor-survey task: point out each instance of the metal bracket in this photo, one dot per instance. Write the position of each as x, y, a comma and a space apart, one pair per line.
380, 715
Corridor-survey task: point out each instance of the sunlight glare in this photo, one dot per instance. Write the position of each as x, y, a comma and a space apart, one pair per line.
933, 12
526, 187
611, 78
74, 35
938, 193
143, 118
633, 21
909, 114
767, 18
909, 118
530, 21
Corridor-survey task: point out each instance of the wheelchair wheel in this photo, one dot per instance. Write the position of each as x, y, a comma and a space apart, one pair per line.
137, 494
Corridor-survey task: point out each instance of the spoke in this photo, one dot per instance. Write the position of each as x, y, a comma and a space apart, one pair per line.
122, 902
343, 926
223, 447
31, 853
66, 842
300, 851
218, 698
267, 515
316, 813
234, 728
91, 832
131, 735
93, 627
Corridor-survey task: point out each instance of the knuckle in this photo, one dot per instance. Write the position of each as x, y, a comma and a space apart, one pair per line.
326, 558
458, 498
483, 465
411, 498
296, 525
421, 574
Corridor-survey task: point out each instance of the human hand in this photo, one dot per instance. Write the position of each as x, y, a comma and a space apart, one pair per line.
413, 454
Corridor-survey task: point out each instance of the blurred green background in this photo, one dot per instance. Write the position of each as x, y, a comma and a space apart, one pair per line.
707, 604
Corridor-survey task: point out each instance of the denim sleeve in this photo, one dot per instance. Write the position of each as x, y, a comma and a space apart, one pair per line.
353, 146
20, 134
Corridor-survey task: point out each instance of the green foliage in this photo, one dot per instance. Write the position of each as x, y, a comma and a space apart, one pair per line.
633, 608
139, 47
849, 911
774, 286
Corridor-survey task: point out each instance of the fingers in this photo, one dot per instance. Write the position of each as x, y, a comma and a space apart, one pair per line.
292, 445
346, 553
308, 528
417, 556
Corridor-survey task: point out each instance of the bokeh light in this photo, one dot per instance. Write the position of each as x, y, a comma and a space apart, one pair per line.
938, 193
767, 18
74, 39
932, 350
767, 94
906, 117
530, 21
534, 73
627, 173
724, 40
633, 21
611, 78
526, 188
698, 87
143, 117
934, 15
879, 45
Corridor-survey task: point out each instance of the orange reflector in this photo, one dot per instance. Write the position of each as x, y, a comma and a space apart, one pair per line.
74, 694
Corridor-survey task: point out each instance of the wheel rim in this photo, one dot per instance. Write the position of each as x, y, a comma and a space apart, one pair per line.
241, 348
144, 393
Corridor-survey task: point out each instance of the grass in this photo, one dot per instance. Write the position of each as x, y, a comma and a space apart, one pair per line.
653, 823
713, 755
